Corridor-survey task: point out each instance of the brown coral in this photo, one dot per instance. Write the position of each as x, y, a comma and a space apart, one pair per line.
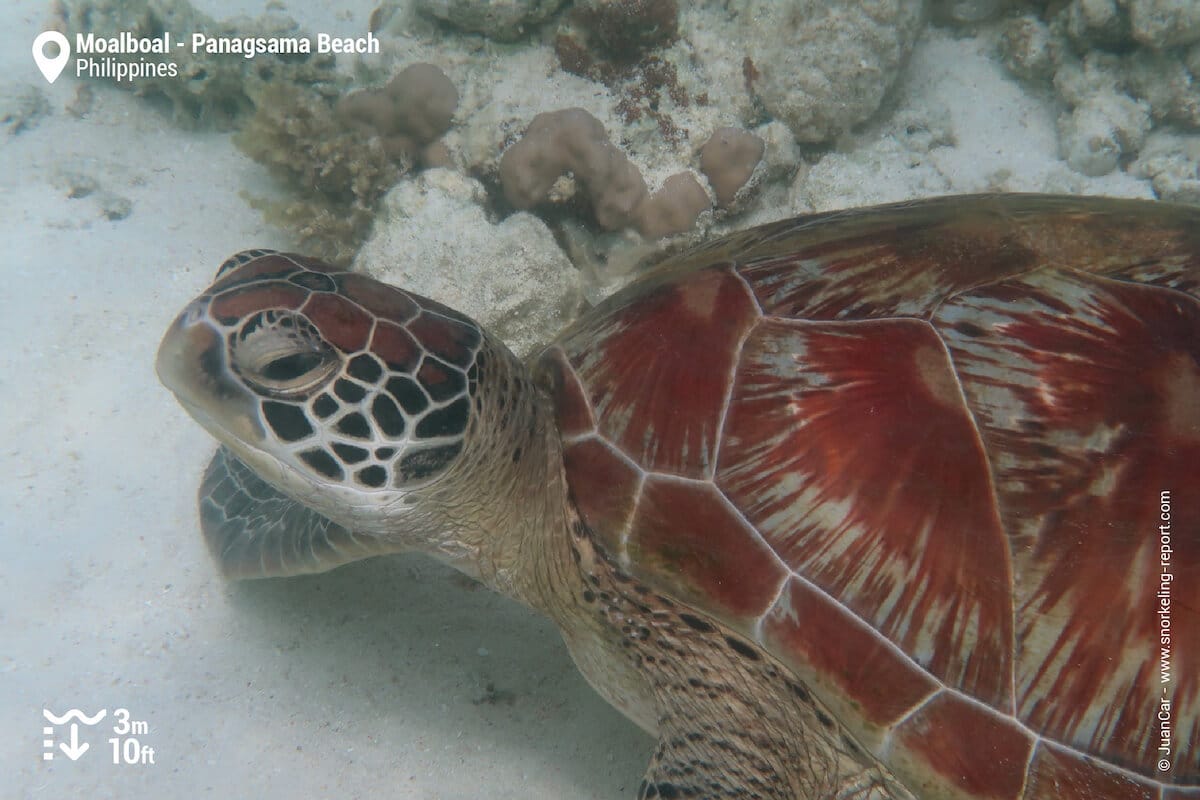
573, 141
673, 208
728, 160
411, 112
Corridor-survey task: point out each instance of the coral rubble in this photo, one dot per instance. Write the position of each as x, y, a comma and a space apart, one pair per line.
1123, 68
821, 67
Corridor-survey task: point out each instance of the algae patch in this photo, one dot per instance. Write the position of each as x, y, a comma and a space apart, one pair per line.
334, 174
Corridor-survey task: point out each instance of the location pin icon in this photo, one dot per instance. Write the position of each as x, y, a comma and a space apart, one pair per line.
51, 67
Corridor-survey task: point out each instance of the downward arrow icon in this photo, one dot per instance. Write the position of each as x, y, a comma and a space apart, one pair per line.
75, 749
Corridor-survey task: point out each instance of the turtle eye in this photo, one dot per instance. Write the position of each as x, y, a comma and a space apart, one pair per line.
291, 368
281, 354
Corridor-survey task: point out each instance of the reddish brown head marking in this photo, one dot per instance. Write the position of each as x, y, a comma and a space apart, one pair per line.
355, 382
237, 303
396, 346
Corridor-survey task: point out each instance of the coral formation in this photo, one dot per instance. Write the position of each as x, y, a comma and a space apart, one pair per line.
673, 208
209, 90
408, 114
1165, 23
1121, 67
728, 160
625, 30
1029, 50
338, 160
573, 141
1169, 161
612, 42
820, 66
663, 77
645, 68
1103, 128
333, 173
503, 20
433, 236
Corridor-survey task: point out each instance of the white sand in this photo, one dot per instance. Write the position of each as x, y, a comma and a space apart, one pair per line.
390, 678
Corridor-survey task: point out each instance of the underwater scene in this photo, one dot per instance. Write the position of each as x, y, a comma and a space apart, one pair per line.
600, 399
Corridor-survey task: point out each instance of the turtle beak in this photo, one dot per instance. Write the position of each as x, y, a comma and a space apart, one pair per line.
191, 362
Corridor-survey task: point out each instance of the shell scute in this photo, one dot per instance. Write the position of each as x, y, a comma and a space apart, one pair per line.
1091, 416
723, 562
954, 748
850, 447
908, 273
849, 662
1058, 774
660, 369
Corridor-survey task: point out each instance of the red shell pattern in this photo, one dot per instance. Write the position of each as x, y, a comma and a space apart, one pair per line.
920, 453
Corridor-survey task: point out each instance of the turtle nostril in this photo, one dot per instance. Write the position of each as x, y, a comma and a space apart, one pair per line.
193, 313
189, 352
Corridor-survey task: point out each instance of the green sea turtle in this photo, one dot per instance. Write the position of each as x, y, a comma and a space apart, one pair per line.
901, 502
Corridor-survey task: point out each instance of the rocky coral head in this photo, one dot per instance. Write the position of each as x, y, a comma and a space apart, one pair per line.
572, 141
728, 159
624, 30
414, 108
673, 208
821, 67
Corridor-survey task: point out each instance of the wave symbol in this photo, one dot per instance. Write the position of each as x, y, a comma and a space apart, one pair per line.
74, 713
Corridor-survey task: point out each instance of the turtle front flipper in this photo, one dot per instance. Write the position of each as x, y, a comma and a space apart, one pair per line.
255, 531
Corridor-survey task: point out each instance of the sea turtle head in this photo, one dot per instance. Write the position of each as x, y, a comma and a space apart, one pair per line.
387, 413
